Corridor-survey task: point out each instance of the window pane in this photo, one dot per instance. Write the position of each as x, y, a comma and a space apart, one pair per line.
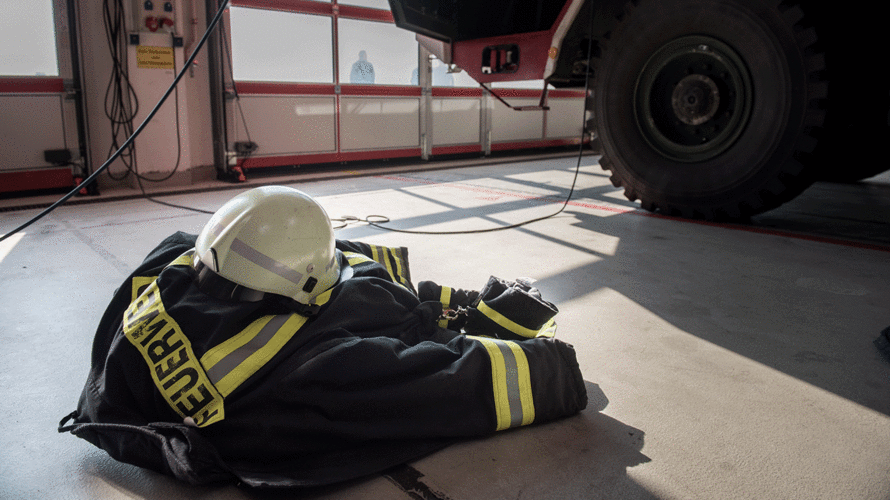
376, 53
281, 46
28, 38
375, 4
442, 78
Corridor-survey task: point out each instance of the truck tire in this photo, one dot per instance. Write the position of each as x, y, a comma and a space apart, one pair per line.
706, 108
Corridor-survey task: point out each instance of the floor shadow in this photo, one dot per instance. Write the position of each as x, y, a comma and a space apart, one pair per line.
583, 456
791, 308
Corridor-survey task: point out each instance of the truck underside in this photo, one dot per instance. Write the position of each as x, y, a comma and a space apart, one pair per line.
714, 109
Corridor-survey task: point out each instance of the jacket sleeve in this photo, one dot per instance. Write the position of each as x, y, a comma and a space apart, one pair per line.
393, 261
383, 388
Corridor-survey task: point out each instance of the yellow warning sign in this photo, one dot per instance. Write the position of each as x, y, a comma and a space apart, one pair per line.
154, 57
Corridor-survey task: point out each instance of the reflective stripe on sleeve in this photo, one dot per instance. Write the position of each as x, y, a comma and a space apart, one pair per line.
389, 258
356, 258
445, 299
375, 254
232, 362
401, 267
392, 261
506, 322
511, 383
381, 255
548, 330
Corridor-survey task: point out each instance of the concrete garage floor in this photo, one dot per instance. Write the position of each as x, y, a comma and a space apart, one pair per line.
729, 362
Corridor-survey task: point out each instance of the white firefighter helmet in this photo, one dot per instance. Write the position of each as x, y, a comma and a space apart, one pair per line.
272, 239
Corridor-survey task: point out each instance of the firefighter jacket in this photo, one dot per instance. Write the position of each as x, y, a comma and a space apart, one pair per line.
208, 390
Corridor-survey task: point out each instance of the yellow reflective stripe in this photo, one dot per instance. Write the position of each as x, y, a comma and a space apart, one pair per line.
322, 298
265, 337
184, 259
394, 274
375, 254
499, 384
139, 284
172, 363
524, 382
381, 255
548, 330
261, 356
511, 383
400, 263
356, 258
217, 353
506, 322
445, 299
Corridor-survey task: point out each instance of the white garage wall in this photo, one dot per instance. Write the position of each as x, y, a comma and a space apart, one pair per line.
565, 117
37, 127
290, 125
511, 125
456, 121
379, 123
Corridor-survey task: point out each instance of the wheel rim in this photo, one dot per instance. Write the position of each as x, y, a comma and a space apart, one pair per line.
693, 99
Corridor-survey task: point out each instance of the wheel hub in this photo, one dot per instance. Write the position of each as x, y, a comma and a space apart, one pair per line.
693, 99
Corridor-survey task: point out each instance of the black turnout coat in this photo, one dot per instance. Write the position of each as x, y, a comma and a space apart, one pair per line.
209, 390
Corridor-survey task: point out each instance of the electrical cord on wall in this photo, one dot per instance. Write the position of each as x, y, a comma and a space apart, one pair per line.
129, 141
121, 101
122, 104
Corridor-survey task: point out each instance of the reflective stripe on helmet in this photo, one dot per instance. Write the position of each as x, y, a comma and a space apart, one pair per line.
511, 383
265, 262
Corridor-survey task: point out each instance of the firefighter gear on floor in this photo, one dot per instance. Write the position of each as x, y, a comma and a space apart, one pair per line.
208, 389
